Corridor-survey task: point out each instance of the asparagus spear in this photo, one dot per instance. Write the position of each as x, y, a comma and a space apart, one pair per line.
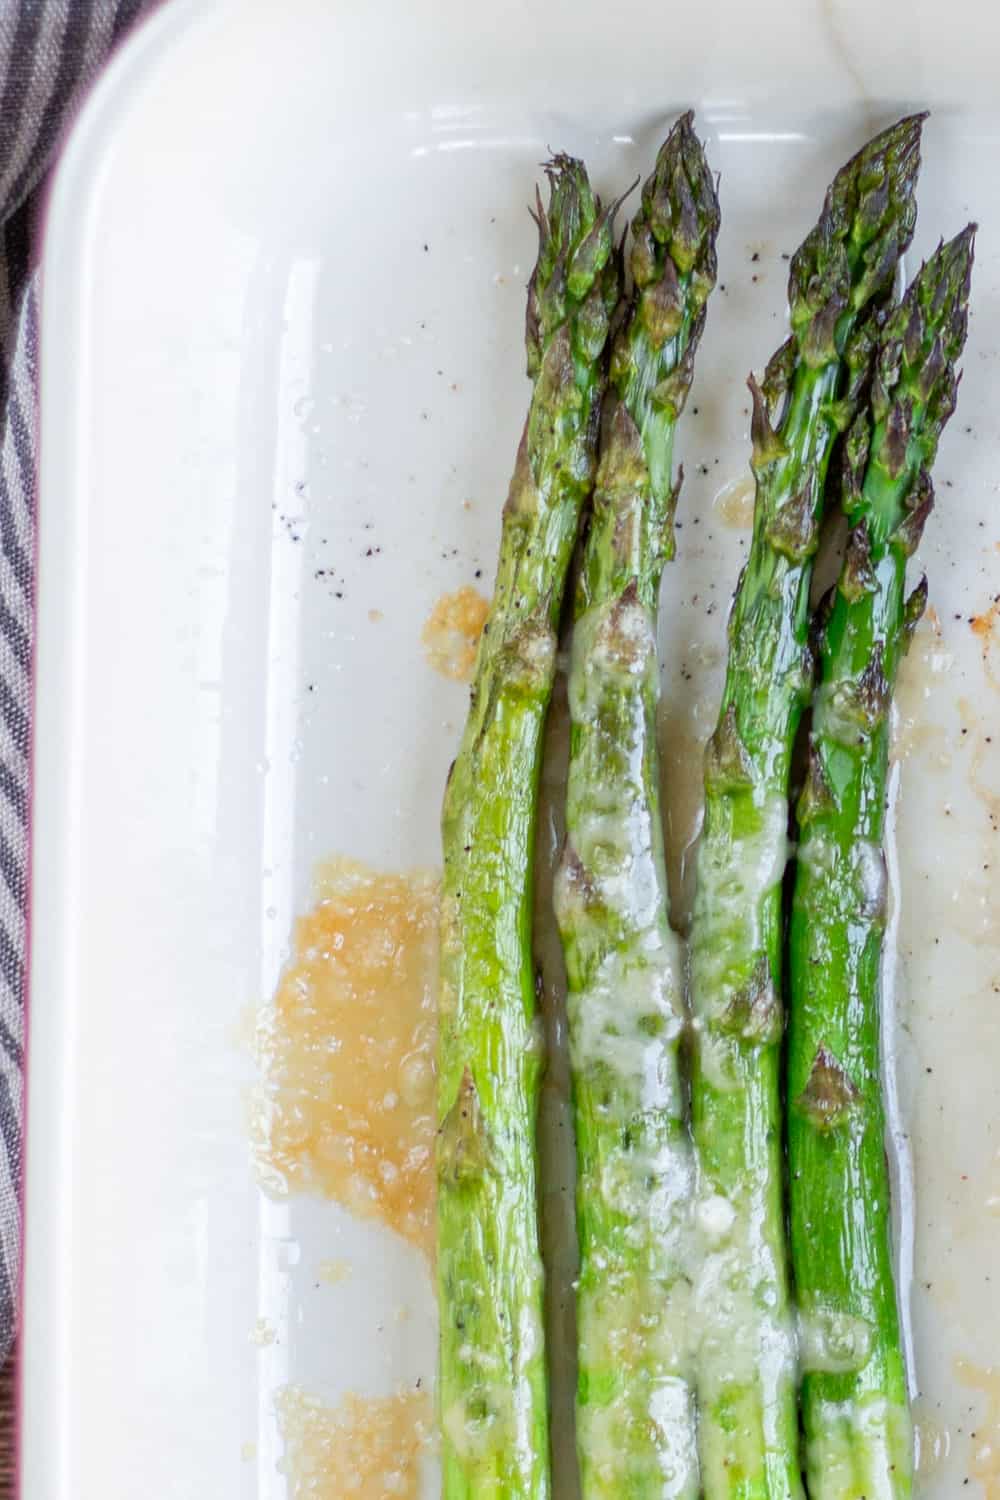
746, 1378
492, 1367
854, 1399
635, 1403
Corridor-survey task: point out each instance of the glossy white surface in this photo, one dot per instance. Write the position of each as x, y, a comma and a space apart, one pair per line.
281, 327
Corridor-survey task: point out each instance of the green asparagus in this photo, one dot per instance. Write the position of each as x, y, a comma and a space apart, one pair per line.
748, 1431
854, 1399
635, 1170
492, 1380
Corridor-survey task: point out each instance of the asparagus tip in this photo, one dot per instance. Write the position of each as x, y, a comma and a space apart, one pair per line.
932, 319
962, 248
898, 145
575, 257
679, 211
867, 222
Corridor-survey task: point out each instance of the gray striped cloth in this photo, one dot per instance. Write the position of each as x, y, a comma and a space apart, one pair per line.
50, 51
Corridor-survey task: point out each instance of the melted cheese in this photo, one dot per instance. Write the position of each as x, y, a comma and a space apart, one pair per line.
734, 878
451, 633
369, 1449
347, 1051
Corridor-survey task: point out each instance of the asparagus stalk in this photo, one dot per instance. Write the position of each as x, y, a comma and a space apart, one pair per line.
492, 1364
635, 1170
854, 1398
748, 1433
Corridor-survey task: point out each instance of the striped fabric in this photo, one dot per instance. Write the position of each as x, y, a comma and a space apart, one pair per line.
50, 51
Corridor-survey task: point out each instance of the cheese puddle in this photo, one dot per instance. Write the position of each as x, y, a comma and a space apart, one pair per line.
346, 1049
368, 1448
984, 1463
451, 634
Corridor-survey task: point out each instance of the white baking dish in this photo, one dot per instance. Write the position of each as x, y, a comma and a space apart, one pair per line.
283, 299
